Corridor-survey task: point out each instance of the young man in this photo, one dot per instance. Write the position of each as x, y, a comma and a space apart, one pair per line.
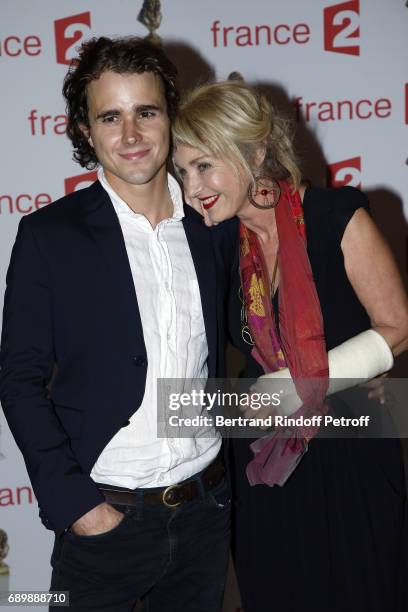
118, 285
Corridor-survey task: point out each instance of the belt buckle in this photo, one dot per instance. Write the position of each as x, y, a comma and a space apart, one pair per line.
168, 490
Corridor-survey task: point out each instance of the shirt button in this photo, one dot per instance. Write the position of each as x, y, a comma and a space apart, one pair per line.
139, 360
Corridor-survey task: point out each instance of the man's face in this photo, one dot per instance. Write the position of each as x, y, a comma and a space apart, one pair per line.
129, 127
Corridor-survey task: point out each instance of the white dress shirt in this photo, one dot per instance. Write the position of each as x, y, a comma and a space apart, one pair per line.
169, 302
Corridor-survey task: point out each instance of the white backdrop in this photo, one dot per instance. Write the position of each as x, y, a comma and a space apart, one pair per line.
339, 68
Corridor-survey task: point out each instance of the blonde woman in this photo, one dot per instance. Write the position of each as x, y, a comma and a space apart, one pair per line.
316, 297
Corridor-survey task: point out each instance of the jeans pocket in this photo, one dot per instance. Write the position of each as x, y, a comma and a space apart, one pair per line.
99, 536
220, 495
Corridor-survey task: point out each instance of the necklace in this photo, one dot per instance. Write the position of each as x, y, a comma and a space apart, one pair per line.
245, 331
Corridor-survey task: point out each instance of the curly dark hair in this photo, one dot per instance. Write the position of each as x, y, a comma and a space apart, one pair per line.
122, 55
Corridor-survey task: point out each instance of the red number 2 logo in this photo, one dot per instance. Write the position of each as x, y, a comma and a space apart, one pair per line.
342, 28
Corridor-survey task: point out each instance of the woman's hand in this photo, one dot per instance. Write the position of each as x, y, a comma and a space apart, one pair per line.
376, 388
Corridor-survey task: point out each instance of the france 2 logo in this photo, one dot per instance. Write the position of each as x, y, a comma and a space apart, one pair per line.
346, 172
74, 183
342, 28
68, 32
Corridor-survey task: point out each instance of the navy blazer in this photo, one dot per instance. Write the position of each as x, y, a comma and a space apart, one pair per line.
70, 302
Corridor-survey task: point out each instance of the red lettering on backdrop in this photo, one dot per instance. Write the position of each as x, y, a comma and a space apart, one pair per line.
342, 27
11, 497
28, 494
325, 111
248, 36
6, 497
359, 111
13, 46
346, 172
244, 36
23, 203
69, 31
42, 199
282, 39
383, 108
340, 110
267, 30
40, 125
8, 46
74, 183
32, 45
301, 33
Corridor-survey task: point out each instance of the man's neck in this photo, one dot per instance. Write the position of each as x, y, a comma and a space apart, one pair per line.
151, 199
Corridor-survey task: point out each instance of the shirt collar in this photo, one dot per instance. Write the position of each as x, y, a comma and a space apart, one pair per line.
122, 208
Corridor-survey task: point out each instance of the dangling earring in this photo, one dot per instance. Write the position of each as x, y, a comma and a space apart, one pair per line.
266, 191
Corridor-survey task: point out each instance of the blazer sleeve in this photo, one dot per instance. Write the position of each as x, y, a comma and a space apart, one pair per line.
64, 492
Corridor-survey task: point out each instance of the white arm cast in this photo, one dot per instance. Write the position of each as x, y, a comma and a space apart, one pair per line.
357, 360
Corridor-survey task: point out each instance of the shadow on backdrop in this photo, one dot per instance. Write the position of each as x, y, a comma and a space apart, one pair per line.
193, 68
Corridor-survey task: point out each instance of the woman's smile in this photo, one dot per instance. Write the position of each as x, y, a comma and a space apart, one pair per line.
209, 201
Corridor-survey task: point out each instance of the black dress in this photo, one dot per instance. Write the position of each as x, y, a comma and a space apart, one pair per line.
333, 538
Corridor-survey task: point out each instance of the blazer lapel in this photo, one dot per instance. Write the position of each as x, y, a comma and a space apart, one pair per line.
104, 226
201, 247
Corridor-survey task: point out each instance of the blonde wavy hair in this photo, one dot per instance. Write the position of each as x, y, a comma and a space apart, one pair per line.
231, 120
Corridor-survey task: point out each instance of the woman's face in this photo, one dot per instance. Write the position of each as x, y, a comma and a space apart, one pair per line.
211, 185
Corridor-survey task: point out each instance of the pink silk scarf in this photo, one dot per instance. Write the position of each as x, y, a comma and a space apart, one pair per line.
301, 346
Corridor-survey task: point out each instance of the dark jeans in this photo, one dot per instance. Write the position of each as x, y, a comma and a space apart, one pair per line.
175, 560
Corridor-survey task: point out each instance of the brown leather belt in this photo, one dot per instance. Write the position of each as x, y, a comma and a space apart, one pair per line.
173, 495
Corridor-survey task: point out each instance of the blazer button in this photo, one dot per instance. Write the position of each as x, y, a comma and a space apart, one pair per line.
139, 360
